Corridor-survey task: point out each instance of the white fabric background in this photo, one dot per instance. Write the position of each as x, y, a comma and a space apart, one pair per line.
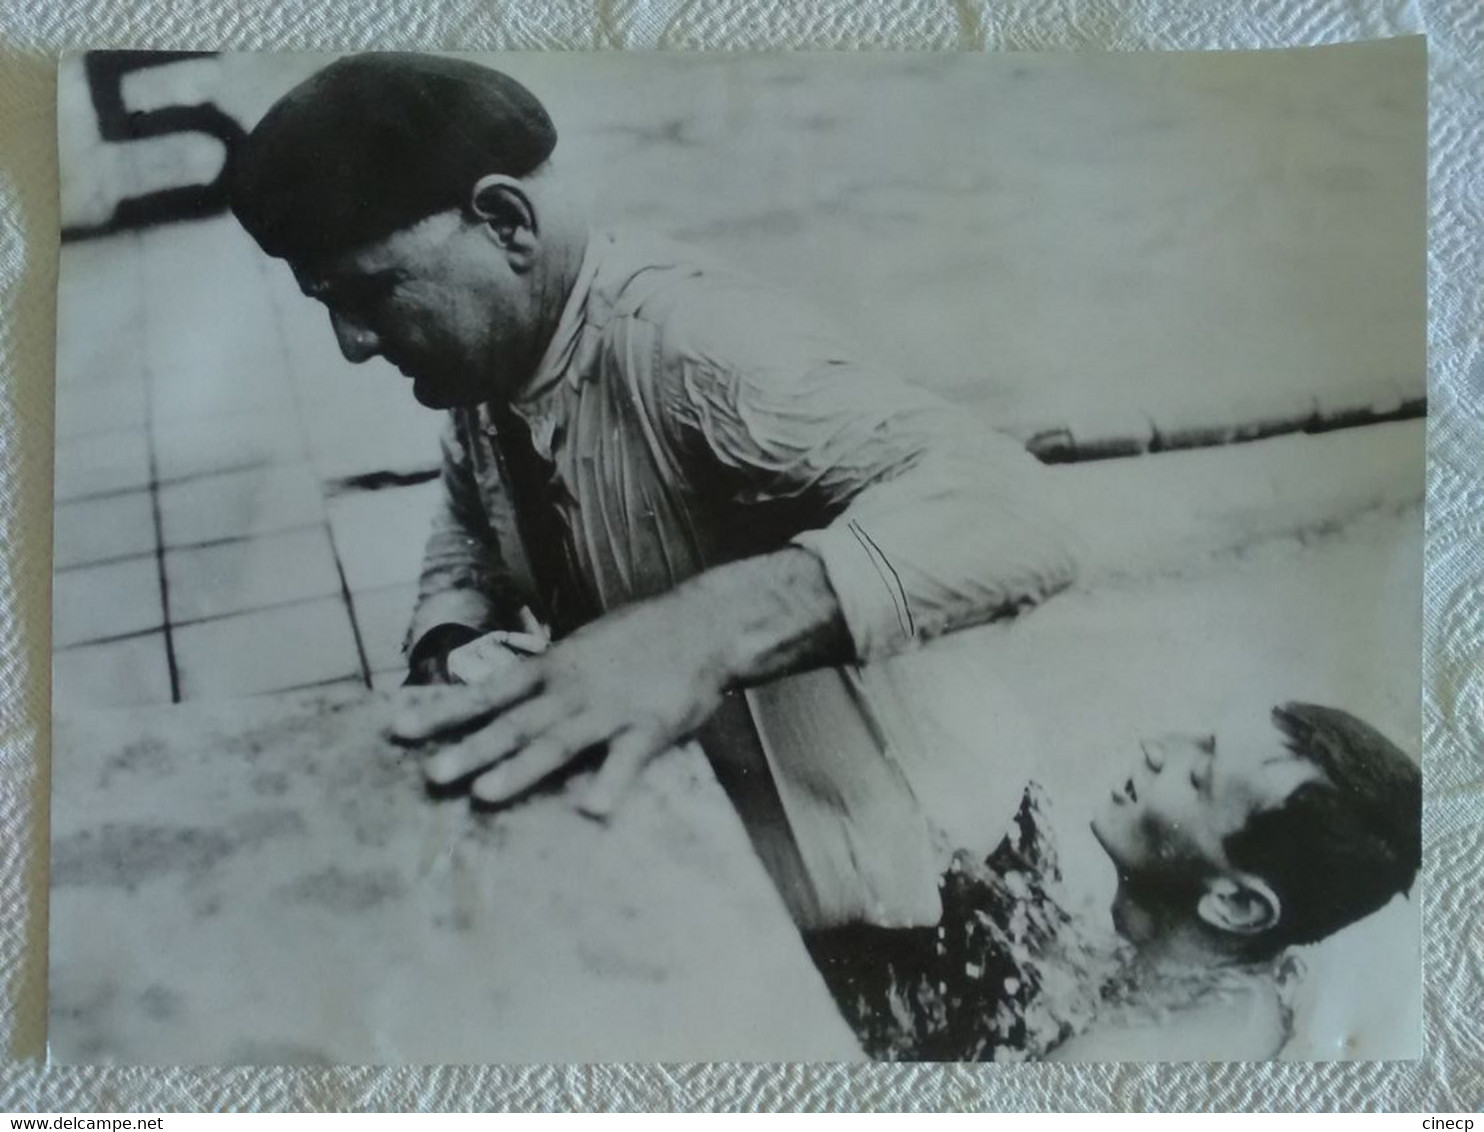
1451, 1075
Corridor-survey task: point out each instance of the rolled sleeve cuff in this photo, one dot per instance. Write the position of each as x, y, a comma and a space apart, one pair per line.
877, 612
458, 607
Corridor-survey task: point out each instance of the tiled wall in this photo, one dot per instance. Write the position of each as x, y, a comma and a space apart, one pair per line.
207, 543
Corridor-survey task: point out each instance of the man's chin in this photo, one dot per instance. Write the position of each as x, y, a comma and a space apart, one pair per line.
1102, 834
435, 395
1098, 824
428, 396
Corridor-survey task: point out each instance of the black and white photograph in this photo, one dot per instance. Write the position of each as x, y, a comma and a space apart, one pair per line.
776, 557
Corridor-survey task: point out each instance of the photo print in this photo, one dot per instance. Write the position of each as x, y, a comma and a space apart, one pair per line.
570, 558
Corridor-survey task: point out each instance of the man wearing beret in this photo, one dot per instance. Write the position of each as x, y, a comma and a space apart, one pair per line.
687, 477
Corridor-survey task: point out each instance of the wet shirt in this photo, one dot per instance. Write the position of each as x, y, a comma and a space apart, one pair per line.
685, 416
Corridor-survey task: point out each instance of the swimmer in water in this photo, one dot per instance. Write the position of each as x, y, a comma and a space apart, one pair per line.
1229, 849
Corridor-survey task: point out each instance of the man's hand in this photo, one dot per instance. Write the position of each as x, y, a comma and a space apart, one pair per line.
428, 663
635, 682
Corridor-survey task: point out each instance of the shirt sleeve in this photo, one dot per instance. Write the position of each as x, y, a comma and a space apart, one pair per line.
464, 580
926, 519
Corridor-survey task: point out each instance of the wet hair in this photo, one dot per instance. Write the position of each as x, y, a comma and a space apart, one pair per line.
1335, 850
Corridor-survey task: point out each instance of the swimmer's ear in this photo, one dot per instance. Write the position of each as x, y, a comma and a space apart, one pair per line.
505, 209
1239, 903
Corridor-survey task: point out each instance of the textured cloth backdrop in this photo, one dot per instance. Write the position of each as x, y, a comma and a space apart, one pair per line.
1451, 1076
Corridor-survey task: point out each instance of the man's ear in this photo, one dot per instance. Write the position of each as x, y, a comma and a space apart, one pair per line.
502, 204
1240, 904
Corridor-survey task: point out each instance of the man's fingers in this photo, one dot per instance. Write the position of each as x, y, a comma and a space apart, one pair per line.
517, 775
627, 755
539, 758
490, 744
458, 707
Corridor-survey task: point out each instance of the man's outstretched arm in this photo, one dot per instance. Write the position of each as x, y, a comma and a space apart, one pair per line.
908, 520
636, 681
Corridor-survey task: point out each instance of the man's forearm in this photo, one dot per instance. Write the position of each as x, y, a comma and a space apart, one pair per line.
766, 616
636, 681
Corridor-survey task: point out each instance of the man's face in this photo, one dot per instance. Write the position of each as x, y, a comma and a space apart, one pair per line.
437, 299
1167, 819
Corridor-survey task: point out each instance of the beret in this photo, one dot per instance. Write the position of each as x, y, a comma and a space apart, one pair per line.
374, 142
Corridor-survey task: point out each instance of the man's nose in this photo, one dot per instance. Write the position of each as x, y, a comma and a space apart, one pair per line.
358, 342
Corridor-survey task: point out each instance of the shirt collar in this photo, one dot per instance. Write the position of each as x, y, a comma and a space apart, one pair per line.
557, 360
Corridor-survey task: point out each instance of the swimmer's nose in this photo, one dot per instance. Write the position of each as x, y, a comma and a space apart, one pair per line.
1154, 754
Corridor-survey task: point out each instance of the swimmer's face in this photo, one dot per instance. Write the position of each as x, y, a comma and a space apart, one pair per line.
1168, 817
